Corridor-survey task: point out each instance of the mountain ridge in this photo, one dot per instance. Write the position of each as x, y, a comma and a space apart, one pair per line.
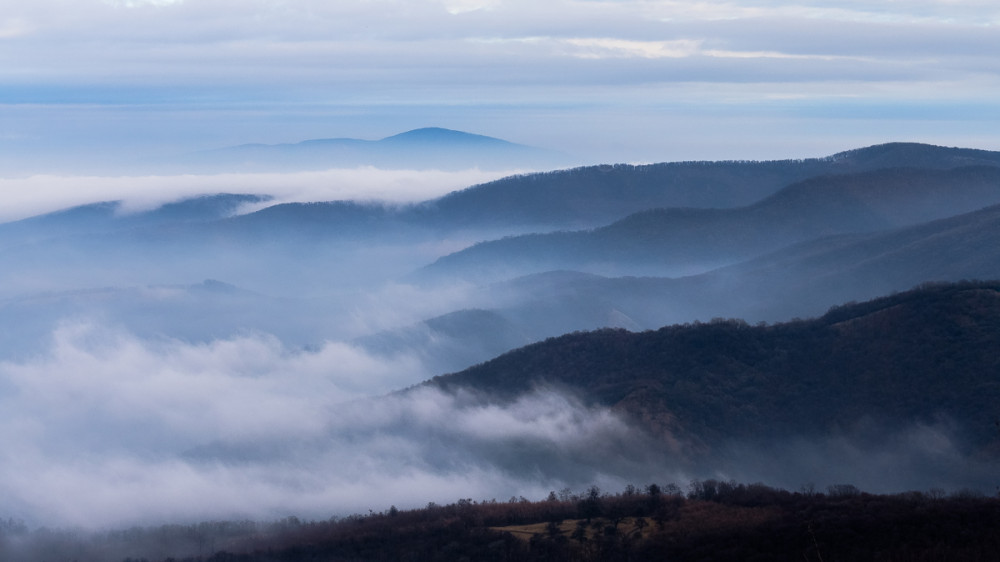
679, 240
929, 349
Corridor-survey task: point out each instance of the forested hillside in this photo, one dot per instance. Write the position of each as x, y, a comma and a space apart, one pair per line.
713, 520
911, 357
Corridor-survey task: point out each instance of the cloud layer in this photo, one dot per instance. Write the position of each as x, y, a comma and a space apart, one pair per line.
106, 429
109, 429
24, 197
603, 79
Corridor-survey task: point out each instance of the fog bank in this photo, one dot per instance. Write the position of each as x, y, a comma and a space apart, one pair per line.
23, 197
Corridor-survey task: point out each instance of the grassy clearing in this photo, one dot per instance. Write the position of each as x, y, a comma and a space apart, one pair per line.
630, 526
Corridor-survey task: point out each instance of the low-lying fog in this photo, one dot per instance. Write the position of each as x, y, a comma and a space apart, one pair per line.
40, 193
133, 391
109, 429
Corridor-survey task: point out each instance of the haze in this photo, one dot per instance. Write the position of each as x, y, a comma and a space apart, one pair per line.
97, 85
226, 357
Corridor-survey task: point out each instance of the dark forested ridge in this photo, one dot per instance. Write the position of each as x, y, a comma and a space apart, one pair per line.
713, 520
912, 357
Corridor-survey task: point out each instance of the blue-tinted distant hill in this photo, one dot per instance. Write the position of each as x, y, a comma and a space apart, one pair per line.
109, 216
334, 243
684, 240
419, 149
593, 196
801, 280
586, 197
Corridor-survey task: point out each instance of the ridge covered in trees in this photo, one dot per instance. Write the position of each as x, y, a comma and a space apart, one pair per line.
713, 520
910, 357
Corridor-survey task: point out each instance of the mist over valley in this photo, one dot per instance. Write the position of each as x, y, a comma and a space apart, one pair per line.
234, 356
447, 280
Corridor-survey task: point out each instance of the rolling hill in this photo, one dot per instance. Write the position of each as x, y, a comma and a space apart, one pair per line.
593, 196
802, 280
799, 281
109, 216
680, 241
911, 358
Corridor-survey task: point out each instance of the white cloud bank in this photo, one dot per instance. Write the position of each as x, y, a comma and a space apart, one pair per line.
37, 194
109, 429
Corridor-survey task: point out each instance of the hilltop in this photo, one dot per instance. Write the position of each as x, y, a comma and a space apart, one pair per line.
419, 149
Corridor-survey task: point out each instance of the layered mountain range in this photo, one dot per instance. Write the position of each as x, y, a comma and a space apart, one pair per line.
655, 244
924, 356
629, 268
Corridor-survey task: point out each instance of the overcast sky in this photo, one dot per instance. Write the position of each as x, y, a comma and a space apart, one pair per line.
606, 80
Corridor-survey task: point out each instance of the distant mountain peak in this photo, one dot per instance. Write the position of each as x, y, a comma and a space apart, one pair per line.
424, 148
443, 136
914, 154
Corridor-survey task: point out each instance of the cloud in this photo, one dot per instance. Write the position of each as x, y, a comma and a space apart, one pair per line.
14, 27
601, 48
109, 429
37, 194
95, 378
462, 6
377, 42
142, 3
617, 48
261, 71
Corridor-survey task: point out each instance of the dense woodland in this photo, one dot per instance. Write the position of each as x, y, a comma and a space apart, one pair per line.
713, 520
912, 356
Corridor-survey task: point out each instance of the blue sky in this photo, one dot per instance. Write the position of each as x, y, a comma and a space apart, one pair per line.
628, 80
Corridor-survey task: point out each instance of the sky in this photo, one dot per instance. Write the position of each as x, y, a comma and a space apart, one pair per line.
88, 82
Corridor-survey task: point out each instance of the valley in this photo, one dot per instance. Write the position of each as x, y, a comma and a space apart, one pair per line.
817, 322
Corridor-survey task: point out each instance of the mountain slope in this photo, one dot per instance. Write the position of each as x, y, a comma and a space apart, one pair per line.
109, 216
675, 241
915, 357
452, 341
798, 281
88, 245
597, 195
855, 267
